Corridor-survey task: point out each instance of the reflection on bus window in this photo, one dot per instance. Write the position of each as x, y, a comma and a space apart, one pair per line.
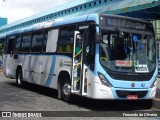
45, 41
18, 43
65, 42
10, 45
26, 40
127, 53
37, 40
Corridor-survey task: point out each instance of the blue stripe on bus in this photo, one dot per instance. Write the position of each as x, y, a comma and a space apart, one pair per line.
50, 78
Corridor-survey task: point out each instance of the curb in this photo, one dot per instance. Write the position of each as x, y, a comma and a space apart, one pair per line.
156, 103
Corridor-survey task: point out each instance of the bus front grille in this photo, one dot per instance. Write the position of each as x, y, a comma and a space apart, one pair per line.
124, 93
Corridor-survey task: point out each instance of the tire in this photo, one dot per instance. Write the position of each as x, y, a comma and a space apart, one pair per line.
66, 91
19, 78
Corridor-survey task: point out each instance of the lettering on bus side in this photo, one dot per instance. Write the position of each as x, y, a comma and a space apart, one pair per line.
64, 63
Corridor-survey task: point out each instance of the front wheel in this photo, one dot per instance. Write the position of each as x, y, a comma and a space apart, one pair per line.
66, 91
19, 78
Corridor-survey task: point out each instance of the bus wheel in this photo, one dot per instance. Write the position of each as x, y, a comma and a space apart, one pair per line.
19, 78
66, 91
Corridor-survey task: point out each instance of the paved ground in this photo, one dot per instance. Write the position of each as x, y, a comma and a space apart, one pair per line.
37, 98
158, 88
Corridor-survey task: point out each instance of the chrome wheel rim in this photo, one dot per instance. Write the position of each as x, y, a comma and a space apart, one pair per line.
19, 79
67, 89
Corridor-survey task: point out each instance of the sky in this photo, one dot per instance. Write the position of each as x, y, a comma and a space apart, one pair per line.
18, 9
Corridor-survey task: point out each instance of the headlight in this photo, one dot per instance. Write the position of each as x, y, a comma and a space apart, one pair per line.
103, 79
154, 82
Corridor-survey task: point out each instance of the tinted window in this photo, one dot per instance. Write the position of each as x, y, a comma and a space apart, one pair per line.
5, 46
45, 41
26, 40
2, 40
65, 42
18, 43
37, 42
10, 44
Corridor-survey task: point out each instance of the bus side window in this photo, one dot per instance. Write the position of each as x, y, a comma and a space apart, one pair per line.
65, 41
18, 43
5, 45
45, 40
10, 45
1, 50
26, 42
37, 40
2, 41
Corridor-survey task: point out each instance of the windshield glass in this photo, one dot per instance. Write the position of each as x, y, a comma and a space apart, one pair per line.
127, 52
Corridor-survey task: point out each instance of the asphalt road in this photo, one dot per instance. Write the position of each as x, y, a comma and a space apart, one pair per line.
158, 88
38, 98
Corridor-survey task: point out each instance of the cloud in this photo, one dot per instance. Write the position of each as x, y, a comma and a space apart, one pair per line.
17, 9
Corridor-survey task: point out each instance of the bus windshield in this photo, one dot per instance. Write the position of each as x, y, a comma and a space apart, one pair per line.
127, 52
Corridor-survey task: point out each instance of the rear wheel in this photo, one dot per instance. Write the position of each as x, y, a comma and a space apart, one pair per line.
19, 78
66, 91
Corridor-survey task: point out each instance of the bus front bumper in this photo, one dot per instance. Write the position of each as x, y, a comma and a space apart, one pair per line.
99, 91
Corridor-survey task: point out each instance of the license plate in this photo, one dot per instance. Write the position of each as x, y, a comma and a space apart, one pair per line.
132, 97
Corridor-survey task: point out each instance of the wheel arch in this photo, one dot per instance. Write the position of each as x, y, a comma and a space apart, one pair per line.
63, 74
18, 67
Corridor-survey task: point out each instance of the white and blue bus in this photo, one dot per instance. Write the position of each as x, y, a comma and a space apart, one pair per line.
98, 56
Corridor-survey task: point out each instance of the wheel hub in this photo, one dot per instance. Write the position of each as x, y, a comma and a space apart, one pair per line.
19, 79
67, 89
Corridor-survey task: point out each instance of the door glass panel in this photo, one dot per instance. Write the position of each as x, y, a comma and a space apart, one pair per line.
77, 62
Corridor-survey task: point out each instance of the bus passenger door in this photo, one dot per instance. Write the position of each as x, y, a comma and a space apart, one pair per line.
77, 66
9, 57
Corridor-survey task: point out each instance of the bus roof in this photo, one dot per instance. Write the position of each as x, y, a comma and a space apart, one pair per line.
54, 23
64, 21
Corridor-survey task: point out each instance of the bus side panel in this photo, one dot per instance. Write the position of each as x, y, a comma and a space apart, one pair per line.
24, 61
5, 64
15, 63
44, 69
56, 65
31, 68
47, 70
37, 69
8, 65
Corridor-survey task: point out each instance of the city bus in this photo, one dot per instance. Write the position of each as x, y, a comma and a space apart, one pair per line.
97, 56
